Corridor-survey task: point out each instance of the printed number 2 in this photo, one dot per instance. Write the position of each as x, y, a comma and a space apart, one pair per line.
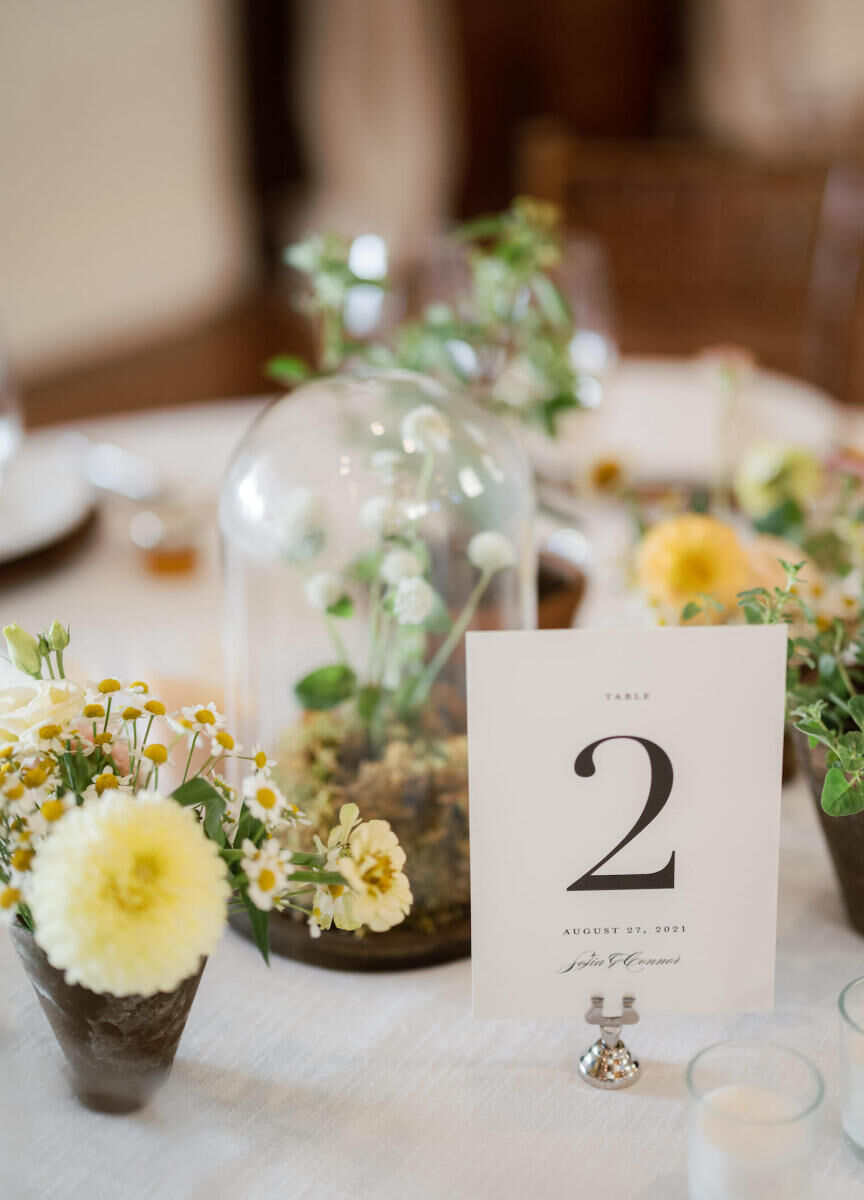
658, 794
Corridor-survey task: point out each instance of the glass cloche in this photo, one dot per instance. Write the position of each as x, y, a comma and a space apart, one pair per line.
368, 521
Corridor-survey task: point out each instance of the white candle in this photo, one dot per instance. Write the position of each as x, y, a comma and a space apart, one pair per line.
747, 1145
853, 1088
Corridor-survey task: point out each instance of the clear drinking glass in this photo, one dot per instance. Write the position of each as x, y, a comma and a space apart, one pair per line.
851, 1005
752, 1122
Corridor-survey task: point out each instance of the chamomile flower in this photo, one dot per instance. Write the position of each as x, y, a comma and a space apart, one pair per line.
10, 898
264, 799
259, 759
222, 744
267, 868
204, 719
108, 781
50, 738
54, 807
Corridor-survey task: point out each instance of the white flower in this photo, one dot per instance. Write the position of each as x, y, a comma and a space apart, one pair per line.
108, 781
385, 464
264, 799
383, 517
203, 719
128, 895
223, 743
260, 761
31, 704
373, 869
301, 524
426, 429
399, 565
490, 552
323, 589
413, 601
267, 868
520, 384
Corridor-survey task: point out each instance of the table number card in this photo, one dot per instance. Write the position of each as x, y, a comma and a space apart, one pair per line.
625, 808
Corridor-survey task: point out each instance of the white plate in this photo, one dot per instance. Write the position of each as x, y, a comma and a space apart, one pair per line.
44, 498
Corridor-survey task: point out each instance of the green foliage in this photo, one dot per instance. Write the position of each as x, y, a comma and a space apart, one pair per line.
326, 687
200, 792
506, 338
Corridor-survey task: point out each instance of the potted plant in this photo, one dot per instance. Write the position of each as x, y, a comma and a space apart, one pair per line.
115, 877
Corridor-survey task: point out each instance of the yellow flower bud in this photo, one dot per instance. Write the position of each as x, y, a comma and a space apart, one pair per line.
156, 707
109, 685
53, 810
131, 713
225, 740
156, 753
105, 782
94, 710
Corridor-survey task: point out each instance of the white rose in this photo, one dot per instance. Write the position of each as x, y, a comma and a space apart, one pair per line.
399, 565
28, 705
490, 552
426, 428
323, 590
382, 517
413, 601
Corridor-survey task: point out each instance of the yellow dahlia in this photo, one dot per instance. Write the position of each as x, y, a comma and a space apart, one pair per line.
128, 894
690, 556
373, 869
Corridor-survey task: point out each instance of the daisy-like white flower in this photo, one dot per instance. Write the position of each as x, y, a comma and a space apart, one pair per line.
491, 551
260, 761
205, 719
426, 429
399, 565
223, 743
107, 781
383, 517
413, 601
267, 868
323, 589
301, 522
50, 738
373, 870
264, 799
10, 898
128, 895
385, 465
54, 807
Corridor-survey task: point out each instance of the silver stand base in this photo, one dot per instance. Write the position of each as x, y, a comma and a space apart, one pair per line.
609, 1067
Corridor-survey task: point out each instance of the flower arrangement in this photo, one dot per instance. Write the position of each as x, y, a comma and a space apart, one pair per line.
506, 340
123, 883
382, 726
825, 680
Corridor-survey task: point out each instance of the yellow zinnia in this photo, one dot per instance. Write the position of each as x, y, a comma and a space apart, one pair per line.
691, 556
128, 895
373, 870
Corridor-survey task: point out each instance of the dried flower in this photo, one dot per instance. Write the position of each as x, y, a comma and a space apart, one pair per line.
399, 565
413, 601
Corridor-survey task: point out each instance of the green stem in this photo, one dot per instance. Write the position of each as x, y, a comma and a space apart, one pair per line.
58, 654
336, 639
423, 685
191, 751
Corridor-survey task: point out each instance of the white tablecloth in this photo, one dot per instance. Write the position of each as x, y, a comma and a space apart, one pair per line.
297, 1082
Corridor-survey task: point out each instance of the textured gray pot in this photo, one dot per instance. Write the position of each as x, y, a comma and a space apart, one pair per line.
844, 835
119, 1048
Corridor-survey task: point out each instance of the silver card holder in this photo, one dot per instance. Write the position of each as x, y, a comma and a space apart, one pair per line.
608, 1063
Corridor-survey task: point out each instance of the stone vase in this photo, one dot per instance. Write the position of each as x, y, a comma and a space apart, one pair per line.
119, 1049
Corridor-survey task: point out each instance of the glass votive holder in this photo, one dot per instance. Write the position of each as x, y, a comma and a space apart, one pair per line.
752, 1122
852, 1063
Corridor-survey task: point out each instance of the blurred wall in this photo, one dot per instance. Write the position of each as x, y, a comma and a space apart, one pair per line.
122, 211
